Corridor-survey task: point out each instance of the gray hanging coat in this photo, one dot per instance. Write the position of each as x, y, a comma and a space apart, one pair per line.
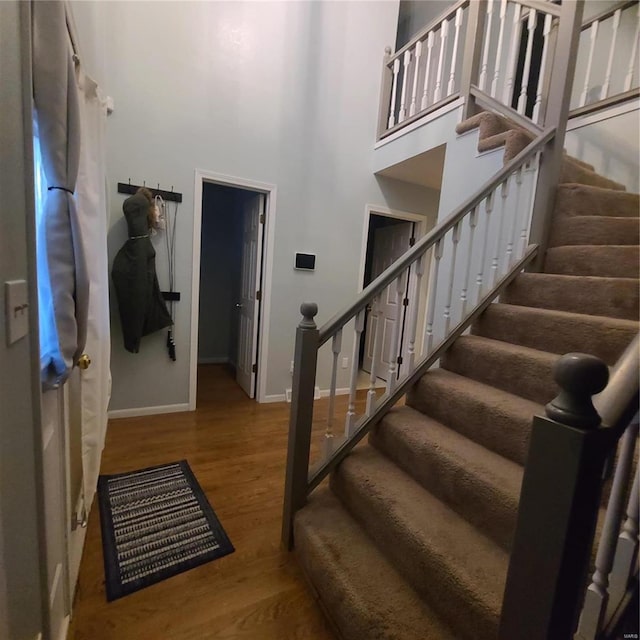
142, 308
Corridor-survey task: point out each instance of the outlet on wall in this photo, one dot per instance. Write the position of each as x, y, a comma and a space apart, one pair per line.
291, 368
345, 362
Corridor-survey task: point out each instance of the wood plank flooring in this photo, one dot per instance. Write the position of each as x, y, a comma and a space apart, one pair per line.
237, 450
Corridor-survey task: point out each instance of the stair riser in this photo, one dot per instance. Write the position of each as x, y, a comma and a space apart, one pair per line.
518, 373
421, 568
599, 297
594, 230
501, 429
576, 200
474, 497
599, 337
601, 261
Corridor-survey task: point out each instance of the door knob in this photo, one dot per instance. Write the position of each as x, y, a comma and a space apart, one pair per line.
84, 361
238, 305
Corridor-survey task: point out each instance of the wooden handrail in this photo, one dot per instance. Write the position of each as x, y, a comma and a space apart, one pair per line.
328, 330
613, 402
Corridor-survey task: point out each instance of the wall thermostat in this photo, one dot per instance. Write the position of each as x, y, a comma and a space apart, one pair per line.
305, 261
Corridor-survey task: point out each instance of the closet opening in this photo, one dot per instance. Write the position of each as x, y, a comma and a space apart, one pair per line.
229, 291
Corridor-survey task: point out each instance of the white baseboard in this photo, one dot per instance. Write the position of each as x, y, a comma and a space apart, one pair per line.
276, 397
148, 411
214, 360
319, 393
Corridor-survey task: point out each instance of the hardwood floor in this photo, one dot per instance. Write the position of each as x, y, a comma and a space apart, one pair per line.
237, 450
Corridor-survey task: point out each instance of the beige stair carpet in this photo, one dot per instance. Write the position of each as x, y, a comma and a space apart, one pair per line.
412, 539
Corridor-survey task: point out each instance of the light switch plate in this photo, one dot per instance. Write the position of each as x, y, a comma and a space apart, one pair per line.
16, 309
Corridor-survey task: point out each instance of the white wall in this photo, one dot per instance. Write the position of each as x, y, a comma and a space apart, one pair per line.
20, 595
220, 265
609, 141
284, 93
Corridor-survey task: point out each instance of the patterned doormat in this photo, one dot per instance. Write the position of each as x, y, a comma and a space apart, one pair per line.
156, 523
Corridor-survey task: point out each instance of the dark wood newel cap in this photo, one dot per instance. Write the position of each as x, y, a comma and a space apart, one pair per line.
579, 377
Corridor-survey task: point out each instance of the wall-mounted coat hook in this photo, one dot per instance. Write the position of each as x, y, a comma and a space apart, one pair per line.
165, 195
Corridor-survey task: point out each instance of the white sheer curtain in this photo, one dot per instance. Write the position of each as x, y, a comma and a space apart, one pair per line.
91, 202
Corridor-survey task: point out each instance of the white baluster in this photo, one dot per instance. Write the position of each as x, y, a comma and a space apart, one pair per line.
504, 193
546, 31
525, 214
452, 275
413, 321
433, 290
416, 71
454, 53
377, 346
444, 31
496, 70
513, 229
634, 52
425, 90
593, 35
394, 91
473, 223
513, 55
595, 602
531, 26
406, 61
624, 562
336, 347
353, 386
488, 208
482, 82
398, 296
612, 48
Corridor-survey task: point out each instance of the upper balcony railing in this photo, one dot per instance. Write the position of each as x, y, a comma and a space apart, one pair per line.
499, 54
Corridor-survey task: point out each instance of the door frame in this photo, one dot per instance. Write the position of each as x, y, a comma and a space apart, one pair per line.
421, 228
376, 210
266, 277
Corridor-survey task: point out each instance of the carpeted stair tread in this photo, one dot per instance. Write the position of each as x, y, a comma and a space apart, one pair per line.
449, 562
613, 297
568, 230
519, 370
557, 332
495, 419
363, 595
481, 486
573, 172
588, 200
610, 261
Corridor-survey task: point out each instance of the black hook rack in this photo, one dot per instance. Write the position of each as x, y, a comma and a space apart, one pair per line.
172, 196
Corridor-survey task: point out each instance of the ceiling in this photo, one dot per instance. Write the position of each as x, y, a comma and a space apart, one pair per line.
424, 169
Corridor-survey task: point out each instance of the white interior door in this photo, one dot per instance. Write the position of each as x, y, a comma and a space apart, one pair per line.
76, 508
249, 303
389, 243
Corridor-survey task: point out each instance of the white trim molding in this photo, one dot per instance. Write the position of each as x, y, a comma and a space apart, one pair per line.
148, 411
270, 192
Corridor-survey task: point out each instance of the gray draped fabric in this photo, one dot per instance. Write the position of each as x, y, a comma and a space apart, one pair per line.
58, 122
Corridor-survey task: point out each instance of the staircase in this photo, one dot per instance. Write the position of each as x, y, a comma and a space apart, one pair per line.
411, 539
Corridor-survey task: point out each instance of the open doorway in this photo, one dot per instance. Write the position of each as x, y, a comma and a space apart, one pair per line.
230, 284
389, 234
